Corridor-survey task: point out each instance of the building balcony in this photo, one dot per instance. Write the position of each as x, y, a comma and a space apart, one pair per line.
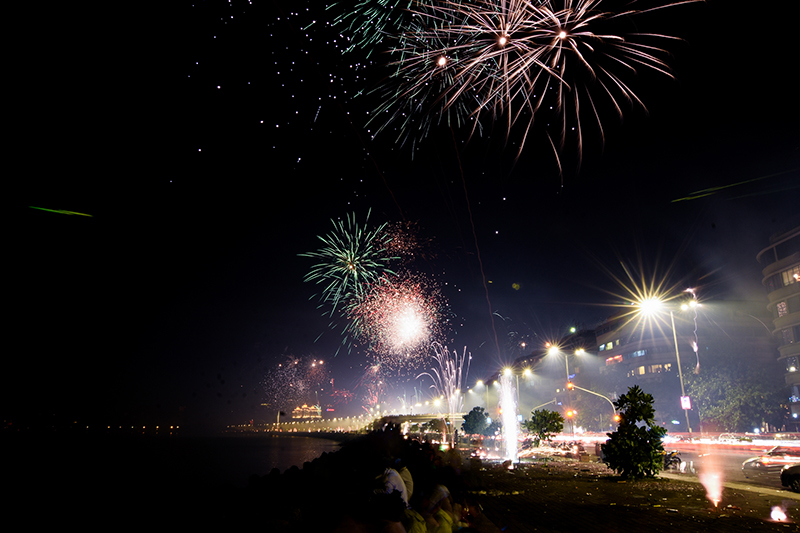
781, 264
789, 350
782, 294
786, 321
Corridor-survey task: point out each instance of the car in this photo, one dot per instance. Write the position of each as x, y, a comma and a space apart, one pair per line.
770, 462
790, 477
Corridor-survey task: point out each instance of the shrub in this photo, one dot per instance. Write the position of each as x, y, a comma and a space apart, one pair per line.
635, 450
543, 424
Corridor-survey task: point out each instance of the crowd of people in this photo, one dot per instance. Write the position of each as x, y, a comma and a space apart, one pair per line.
381, 482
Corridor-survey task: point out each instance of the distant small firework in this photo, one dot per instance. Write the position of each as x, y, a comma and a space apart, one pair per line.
515, 60
399, 317
294, 381
372, 384
353, 258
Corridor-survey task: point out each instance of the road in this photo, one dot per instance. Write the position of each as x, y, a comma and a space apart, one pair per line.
724, 459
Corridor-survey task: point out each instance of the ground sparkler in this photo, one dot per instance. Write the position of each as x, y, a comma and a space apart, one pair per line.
449, 375
508, 406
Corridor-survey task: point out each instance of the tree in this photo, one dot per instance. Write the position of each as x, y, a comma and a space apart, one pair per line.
544, 424
475, 422
635, 450
493, 429
735, 391
592, 413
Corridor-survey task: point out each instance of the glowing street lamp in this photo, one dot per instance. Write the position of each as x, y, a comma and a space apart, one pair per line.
651, 306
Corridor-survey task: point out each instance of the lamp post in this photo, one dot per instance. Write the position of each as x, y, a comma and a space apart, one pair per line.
571, 385
648, 307
680, 371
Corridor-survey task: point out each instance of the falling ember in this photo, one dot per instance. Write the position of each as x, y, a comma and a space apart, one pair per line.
777, 514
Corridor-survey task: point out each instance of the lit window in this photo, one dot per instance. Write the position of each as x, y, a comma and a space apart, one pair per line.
602, 348
791, 275
782, 309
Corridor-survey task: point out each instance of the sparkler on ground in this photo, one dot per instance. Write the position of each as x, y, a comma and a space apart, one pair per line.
516, 60
508, 406
448, 377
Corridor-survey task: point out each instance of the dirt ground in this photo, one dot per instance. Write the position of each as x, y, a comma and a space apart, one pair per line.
569, 495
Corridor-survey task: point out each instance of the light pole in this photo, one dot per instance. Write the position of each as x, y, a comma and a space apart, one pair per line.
649, 306
571, 385
680, 372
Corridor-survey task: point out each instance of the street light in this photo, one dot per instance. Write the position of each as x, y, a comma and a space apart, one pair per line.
555, 350
651, 306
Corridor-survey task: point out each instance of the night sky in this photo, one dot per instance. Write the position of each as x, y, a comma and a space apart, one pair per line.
212, 143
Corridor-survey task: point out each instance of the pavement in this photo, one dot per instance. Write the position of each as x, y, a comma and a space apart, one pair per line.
567, 496
787, 494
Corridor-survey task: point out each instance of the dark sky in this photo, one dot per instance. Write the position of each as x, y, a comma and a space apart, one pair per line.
213, 143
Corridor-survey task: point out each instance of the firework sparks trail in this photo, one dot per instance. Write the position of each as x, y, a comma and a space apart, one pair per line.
515, 60
370, 21
448, 378
695, 343
340, 395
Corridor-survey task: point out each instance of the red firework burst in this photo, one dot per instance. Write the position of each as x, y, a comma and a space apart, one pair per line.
399, 318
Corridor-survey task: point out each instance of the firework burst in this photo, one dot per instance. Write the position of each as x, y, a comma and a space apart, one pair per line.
515, 60
353, 258
293, 381
398, 318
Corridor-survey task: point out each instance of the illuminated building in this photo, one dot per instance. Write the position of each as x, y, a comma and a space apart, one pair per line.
781, 270
307, 412
633, 351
